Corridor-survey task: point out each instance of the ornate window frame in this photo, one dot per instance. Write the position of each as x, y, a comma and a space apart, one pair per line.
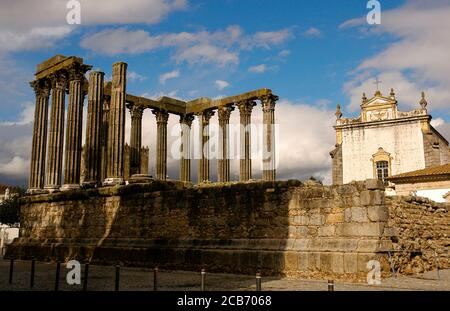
380, 156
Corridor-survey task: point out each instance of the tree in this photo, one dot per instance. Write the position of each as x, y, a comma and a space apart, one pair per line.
10, 209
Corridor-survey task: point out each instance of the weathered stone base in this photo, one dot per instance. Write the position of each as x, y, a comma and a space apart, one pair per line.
68, 187
113, 181
273, 257
276, 227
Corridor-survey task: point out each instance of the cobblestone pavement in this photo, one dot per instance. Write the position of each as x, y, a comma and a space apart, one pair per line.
139, 279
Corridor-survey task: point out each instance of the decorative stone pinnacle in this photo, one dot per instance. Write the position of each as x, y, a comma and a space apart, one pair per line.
364, 98
392, 94
338, 113
423, 101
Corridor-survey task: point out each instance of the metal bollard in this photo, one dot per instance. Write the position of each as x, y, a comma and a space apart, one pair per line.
116, 288
330, 285
86, 276
33, 268
11, 271
258, 282
437, 265
203, 273
58, 271
155, 279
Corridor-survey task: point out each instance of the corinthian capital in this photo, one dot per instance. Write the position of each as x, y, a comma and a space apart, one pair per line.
162, 116
59, 80
135, 111
187, 119
246, 106
225, 113
206, 115
268, 102
41, 87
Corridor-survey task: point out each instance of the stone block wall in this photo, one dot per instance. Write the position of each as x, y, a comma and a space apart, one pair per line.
422, 234
276, 227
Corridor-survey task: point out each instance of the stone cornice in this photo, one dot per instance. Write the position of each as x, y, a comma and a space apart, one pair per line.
383, 122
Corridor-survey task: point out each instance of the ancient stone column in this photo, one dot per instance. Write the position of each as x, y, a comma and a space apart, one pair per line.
56, 132
268, 106
39, 143
162, 117
223, 165
203, 166
72, 159
94, 127
185, 149
245, 111
116, 134
135, 138
104, 137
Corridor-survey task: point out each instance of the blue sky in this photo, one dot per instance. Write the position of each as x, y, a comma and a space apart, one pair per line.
313, 54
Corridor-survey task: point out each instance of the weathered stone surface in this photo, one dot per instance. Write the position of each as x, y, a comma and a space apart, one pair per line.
378, 213
374, 184
359, 214
235, 227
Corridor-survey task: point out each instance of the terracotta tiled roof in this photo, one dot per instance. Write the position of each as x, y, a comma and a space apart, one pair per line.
428, 172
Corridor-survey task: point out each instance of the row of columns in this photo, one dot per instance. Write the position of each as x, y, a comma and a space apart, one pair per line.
224, 113
105, 133
48, 139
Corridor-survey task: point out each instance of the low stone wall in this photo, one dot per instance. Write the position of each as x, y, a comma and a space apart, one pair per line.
422, 234
276, 227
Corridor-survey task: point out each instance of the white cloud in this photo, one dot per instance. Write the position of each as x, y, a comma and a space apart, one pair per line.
168, 75
313, 32
221, 47
221, 84
32, 39
417, 60
158, 95
258, 69
206, 53
120, 41
26, 116
284, 53
134, 76
27, 13
306, 138
28, 25
17, 167
437, 122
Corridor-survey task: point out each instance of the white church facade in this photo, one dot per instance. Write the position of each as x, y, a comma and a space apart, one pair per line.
384, 141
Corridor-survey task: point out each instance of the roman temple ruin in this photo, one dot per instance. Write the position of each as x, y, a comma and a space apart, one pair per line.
104, 161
